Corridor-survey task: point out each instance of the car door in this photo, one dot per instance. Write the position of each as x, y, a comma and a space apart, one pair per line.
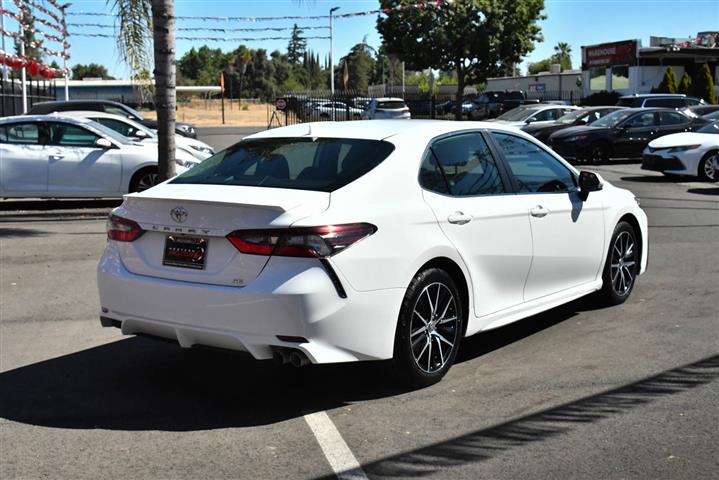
634, 134
78, 166
488, 225
567, 233
24, 158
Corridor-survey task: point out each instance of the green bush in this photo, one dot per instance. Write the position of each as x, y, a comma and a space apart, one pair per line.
685, 85
668, 83
601, 98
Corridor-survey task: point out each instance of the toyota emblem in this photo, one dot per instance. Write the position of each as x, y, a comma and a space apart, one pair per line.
178, 214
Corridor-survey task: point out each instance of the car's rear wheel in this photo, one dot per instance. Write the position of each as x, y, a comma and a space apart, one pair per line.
144, 179
621, 267
709, 167
429, 330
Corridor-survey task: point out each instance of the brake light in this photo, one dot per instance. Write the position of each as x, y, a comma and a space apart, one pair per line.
123, 229
313, 242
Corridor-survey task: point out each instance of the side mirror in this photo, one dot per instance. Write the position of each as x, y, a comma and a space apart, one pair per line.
142, 134
588, 182
103, 143
530, 120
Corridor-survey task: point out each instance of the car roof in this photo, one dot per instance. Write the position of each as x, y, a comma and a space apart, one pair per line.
654, 95
45, 118
76, 102
94, 113
377, 129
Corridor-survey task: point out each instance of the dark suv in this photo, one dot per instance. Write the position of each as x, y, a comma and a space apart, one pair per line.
107, 106
660, 100
492, 104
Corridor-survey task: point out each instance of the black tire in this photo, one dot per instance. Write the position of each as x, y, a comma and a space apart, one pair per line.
621, 268
709, 167
143, 179
414, 343
598, 152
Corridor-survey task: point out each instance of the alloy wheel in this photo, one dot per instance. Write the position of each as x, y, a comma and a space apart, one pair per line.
434, 327
711, 167
623, 266
146, 181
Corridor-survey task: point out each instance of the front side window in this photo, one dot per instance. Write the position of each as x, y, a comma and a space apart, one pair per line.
461, 165
643, 120
534, 169
71, 136
117, 111
320, 164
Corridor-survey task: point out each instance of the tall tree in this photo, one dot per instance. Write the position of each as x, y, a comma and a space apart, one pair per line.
563, 55
357, 67
704, 84
685, 84
297, 47
475, 38
90, 70
668, 83
137, 18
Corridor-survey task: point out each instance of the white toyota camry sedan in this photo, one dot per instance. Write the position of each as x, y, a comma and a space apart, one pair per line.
384, 239
58, 156
687, 153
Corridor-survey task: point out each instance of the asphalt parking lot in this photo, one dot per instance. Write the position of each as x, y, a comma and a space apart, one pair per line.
576, 392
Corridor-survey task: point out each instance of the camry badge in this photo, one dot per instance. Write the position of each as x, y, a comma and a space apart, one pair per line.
178, 214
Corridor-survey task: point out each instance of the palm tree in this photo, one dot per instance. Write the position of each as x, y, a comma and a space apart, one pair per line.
563, 52
141, 20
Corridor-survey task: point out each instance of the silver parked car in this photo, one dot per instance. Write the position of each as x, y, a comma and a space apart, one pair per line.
386, 107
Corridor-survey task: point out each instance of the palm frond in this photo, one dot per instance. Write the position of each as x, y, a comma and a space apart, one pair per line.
134, 41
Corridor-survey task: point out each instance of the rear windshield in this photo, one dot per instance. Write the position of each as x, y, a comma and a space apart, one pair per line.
629, 102
396, 104
319, 164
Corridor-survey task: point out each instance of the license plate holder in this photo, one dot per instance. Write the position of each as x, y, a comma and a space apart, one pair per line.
185, 252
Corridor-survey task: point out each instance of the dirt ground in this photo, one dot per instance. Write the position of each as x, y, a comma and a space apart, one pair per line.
208, 113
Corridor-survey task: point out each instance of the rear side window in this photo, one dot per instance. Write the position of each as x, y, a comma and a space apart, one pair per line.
643, 120
665, 102
393, 105
320, 164
461, 165
24, 134
672, 118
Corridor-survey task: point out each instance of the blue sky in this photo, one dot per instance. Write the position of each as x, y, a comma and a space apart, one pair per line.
578, 22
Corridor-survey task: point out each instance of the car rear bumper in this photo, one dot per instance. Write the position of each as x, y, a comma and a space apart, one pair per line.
290, 298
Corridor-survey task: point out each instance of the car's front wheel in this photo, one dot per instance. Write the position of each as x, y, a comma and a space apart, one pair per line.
621, 267
429, 330
709, 167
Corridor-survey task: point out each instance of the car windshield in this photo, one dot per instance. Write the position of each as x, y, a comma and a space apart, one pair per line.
572, 117
710, 128
134, 112
319, 164
612, 119
391, 104
518, 114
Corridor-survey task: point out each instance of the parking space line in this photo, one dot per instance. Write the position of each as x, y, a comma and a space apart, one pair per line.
338, 454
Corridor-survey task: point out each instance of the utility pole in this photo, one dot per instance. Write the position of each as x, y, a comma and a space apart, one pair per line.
2, 27
332, 64
23, 74
64, 52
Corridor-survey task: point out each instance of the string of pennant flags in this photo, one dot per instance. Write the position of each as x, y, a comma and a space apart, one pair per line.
386, 11
210, 29
206, 39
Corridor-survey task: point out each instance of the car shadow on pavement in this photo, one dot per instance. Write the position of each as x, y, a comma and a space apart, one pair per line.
489, 442
145, 384
653, 179
21, 233
44, 205
704, 191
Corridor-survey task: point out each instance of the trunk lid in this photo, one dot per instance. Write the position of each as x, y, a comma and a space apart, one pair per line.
208, 212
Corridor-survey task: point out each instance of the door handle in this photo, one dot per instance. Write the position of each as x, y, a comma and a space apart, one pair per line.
459, 218
539, 211
56, 156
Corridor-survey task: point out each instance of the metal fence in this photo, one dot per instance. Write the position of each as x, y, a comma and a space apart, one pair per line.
38, 90
317, 106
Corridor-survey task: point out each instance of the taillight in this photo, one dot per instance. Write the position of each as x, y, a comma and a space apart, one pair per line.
312, 242
123, 229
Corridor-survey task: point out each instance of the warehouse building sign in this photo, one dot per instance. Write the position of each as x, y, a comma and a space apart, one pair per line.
609, 54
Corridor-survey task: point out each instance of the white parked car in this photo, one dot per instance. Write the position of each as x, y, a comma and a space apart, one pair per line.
337, 242
134, 130
686, 153
386, 108
536, 114
341, 110
54, 156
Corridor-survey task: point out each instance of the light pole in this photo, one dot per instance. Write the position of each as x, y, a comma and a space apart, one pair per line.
332, 64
